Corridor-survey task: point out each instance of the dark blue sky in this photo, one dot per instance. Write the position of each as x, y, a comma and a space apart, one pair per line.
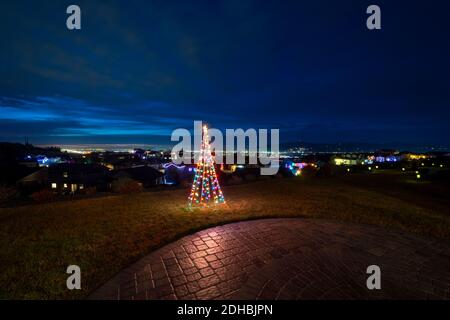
139, 69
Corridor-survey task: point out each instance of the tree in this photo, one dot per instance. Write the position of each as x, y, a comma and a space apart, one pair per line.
205, 188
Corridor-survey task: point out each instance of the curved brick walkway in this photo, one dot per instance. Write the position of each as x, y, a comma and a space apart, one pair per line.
287, 259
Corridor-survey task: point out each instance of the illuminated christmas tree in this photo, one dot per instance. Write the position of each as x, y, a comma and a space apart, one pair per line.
205, 188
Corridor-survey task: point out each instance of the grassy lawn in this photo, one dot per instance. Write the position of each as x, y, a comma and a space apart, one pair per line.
103, 235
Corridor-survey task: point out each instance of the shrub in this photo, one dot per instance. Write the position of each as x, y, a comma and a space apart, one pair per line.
7, 193
90, 191
234, 179
309, 171
279, 175
186, 183
126, 185
43, 195
131, 187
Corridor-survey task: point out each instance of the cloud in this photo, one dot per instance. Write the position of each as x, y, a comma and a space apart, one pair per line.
66, 116
149, 67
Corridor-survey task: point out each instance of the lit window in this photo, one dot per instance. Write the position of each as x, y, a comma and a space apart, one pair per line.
54, 185
65, 185
65, 174
81, 186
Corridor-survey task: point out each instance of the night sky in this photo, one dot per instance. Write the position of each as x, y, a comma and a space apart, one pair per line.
139, 69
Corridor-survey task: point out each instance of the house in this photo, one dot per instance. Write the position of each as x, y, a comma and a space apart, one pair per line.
387, 155
28, 162
68, 178
351, 159
414, 156
175, 174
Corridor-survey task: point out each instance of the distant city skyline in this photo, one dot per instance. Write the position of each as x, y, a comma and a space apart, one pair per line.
138, 70
284, 147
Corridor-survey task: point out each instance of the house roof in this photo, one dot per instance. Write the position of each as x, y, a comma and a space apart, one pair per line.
76, 169
40, 175
142, 173
78, 173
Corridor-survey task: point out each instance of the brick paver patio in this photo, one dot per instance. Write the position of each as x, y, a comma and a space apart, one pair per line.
287, 259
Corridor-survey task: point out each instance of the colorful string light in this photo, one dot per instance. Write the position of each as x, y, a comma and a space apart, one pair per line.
205, 188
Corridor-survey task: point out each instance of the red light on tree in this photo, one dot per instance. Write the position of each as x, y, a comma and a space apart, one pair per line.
205, 188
